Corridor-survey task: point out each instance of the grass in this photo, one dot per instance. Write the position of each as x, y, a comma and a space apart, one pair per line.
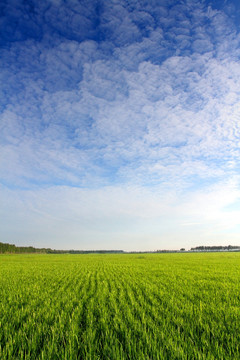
153, 306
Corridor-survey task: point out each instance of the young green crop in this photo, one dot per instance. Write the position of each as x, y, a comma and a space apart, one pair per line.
153, 306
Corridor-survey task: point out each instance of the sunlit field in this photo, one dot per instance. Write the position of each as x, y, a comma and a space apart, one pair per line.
153, 306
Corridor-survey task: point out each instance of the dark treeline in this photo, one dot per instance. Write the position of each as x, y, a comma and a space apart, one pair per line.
13, 249
215, 248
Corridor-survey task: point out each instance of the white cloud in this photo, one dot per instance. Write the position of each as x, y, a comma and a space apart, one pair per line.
136, 118
165, 115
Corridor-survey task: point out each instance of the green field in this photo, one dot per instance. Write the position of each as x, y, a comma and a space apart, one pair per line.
153, 306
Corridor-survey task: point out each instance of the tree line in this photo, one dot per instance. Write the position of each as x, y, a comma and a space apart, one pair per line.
215, 248
6, 248
13, 249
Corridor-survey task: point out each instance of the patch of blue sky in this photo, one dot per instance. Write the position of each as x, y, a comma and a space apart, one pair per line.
142, 94
202, 182
232, 8
34, 184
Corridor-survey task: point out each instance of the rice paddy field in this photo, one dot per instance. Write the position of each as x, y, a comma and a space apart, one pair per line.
139, 306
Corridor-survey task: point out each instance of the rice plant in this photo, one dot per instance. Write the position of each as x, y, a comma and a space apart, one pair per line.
128, 306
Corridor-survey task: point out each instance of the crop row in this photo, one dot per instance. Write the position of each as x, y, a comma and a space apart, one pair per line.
161, 306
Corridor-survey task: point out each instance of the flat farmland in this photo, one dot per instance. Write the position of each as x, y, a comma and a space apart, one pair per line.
128, 306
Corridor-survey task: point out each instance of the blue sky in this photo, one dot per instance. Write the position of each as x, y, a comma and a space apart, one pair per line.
120, 123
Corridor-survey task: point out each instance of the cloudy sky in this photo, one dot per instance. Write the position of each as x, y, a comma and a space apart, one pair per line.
120, 123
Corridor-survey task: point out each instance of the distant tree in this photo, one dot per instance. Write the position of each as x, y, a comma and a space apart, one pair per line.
182, 249
12, 249
215, 248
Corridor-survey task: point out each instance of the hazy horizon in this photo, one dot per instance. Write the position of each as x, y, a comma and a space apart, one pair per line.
120, 124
